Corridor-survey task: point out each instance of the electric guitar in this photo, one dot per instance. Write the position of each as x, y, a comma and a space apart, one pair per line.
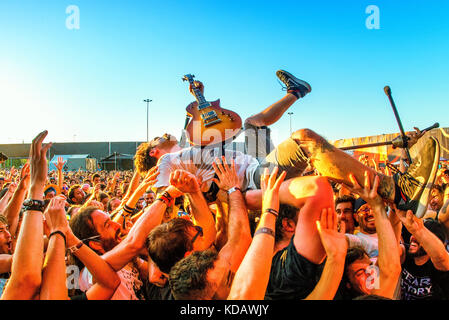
209, 124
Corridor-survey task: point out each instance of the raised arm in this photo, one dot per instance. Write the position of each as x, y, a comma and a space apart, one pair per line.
106, 279
128, 208
336, 246
430, 242
13, 209
7, 197
187, 183
54, 276
130, 247
28, 257
60, 165
389, 259
251, 279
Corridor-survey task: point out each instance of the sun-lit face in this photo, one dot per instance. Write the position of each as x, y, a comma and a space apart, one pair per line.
107, 229
436, 200
345, 213
365, 218
5, 240
359, 274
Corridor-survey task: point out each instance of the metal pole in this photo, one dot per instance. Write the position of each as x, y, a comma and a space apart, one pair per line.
148, 104
290, 114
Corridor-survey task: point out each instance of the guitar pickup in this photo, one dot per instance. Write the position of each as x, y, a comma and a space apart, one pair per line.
212, 122
208, 115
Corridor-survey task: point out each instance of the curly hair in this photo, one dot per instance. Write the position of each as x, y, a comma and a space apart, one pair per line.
142, 159
188, 277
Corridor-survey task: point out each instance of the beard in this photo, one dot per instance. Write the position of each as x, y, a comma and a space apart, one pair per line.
419, 253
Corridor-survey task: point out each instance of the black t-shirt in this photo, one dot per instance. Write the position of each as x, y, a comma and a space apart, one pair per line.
153, 292
423, 282
292, 276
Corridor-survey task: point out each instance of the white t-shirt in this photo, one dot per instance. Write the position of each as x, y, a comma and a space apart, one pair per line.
129, 282
369, 242
199, 162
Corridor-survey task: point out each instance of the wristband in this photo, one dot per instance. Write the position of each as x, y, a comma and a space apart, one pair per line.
34, 205
272, 211
164, 200
76, 247
60, 233
128, 209
264, 230
233, 189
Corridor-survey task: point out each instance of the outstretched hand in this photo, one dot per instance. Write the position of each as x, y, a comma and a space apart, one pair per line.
410, 221
38, 165
333, 240
60, 164
414, 136
227, 175
367, 193
55, 215
184, 181
270, 188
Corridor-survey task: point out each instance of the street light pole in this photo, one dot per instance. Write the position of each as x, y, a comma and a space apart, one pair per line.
148, 103
290, 114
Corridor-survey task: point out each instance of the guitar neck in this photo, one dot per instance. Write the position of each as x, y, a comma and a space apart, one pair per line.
202, 103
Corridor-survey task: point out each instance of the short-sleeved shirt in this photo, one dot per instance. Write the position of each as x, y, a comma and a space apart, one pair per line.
130, 284
369, 242
423, 282
199, 161
292, 276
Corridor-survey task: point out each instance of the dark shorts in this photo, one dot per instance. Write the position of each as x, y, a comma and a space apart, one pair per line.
288, 155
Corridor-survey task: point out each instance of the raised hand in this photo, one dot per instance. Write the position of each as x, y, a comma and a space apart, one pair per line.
12, 188
410, 221
55, 215
270, 188
367, 193
333, 240
227, 176
414, 136
184, 181
197, 84
38, 165
150, 178
60, 164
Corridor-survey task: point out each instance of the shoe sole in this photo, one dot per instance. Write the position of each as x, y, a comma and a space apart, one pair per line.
422, 207
302, 82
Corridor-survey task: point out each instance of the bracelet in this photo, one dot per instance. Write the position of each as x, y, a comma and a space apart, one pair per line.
166, 198
76, 247
272, 211
128, 209
60, 233
167, 195
264, 230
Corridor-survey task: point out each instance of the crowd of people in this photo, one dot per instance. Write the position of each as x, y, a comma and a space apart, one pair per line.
302, 220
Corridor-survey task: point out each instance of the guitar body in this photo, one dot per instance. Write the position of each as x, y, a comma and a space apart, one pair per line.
210, 124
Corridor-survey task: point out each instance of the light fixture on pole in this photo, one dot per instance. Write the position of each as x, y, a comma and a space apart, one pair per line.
290, 114
148, 103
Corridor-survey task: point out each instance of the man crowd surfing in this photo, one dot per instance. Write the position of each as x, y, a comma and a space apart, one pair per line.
302, 220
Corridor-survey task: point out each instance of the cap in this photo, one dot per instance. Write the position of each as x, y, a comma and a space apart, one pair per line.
358, 204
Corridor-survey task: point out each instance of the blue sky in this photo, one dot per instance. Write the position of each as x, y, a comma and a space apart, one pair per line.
88, 84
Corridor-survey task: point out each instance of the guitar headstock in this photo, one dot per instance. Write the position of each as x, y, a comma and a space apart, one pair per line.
188, 77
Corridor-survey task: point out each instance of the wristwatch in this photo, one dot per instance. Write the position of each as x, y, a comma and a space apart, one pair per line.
233, 189
35, 205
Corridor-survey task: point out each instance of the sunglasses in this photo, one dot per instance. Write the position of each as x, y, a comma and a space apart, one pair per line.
198, 233
93, 238
365, 210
